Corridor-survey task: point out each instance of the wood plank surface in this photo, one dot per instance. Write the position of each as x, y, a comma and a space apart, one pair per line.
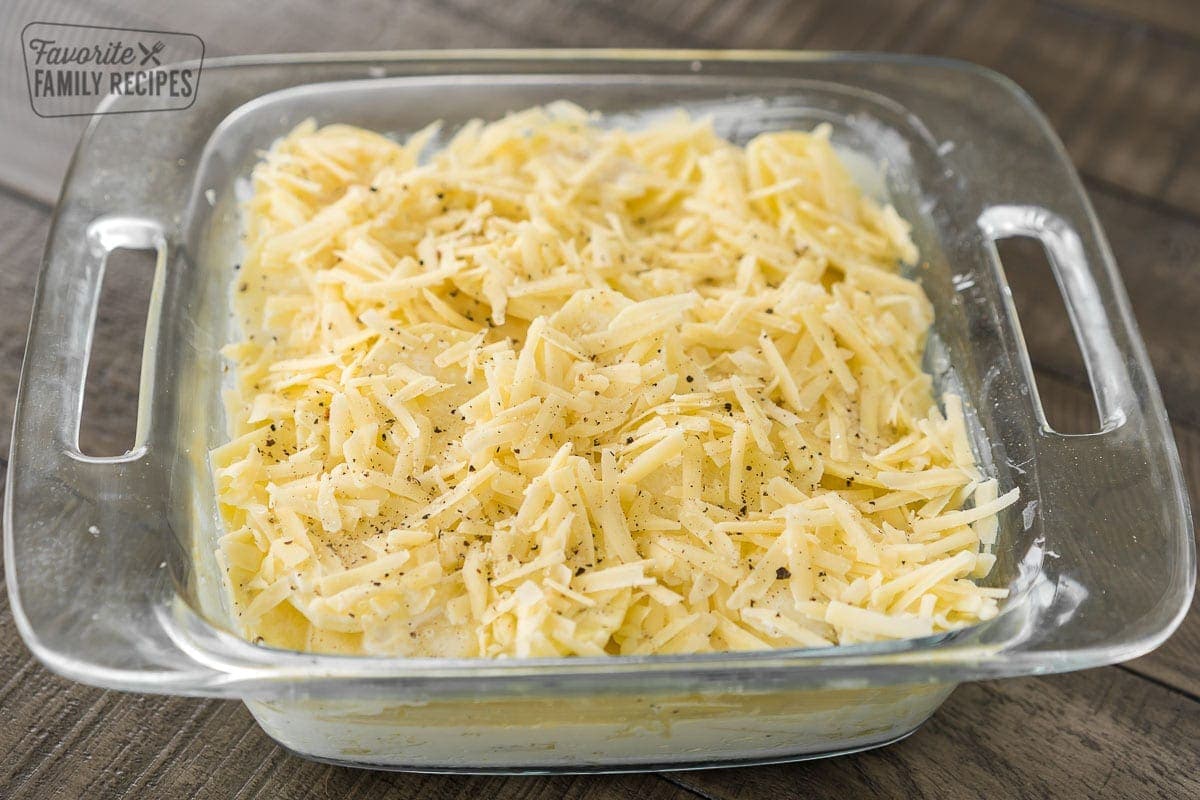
1116, 79
1027, 738
1121, 95
1171, 17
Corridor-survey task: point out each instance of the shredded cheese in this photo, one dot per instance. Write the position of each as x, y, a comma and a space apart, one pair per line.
557, 389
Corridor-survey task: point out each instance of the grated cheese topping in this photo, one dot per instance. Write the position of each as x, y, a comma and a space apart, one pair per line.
556, 389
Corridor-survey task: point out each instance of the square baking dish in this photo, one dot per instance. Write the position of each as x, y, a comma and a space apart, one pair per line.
109, 560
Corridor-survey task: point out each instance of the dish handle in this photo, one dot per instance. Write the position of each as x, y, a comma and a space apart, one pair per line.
84, 545
1117, 558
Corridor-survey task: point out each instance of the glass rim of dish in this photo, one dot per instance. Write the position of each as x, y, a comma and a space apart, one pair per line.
231, 662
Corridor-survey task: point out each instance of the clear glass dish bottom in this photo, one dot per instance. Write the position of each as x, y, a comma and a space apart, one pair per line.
1098, 555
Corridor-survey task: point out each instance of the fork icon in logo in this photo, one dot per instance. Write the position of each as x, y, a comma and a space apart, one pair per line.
151, 53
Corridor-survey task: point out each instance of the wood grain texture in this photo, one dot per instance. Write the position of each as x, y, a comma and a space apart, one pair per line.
1183, 184
1119, 85
1121, 96
1122, 100
1027, 738
1169, 17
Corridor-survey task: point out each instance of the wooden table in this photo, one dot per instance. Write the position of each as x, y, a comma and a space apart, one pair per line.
1118, 79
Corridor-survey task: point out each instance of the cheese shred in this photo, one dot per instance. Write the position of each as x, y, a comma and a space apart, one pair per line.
553, 388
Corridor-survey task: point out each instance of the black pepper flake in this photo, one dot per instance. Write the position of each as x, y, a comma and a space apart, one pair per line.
729, 406
782, 573
690, 379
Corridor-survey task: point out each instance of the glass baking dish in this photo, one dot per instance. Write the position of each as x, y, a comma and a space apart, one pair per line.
109, 561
